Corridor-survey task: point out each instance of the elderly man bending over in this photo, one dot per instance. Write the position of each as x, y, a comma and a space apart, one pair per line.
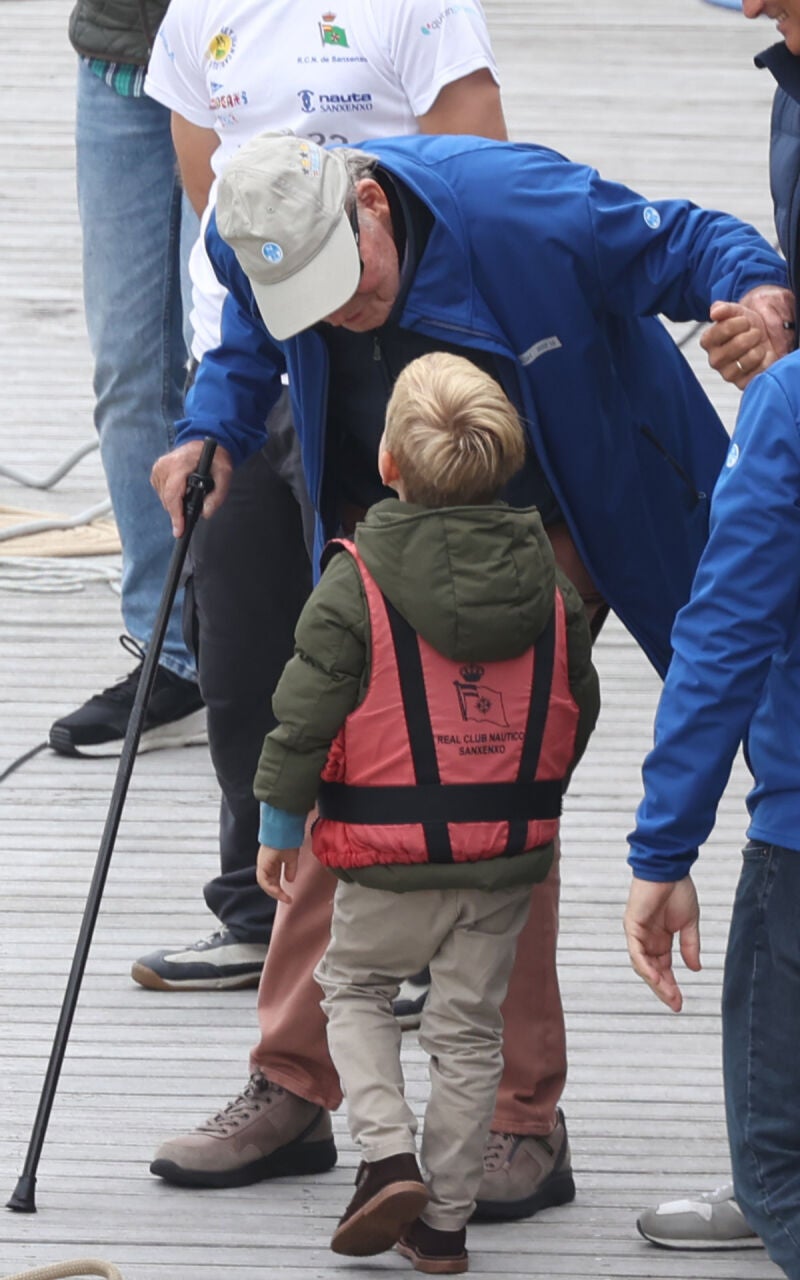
342, 266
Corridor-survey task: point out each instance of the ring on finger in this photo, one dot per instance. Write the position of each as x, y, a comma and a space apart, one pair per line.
740, 366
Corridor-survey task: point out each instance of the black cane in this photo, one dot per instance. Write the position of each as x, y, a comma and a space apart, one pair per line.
198, 485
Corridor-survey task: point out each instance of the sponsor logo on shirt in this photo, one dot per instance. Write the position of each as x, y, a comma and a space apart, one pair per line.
428, 28
226, 101
169, 52
310, 101
222, 47
733, 456
331, 34
652, 218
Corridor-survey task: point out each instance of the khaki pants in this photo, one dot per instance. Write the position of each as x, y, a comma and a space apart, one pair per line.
293, 1049
468, 937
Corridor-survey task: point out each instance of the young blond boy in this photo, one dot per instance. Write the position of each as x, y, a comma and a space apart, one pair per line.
440, 695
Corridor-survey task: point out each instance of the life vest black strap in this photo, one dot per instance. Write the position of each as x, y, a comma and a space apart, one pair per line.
440, 803
541, 688
420, 730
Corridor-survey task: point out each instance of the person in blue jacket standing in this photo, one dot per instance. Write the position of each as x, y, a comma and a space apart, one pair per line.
713, 1219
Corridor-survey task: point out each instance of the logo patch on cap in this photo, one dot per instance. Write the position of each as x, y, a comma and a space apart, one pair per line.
271, 252
652, 217
309, 159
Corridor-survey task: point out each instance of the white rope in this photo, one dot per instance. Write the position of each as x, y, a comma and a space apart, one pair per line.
51, 575
56, 522
80, 1267
30, 483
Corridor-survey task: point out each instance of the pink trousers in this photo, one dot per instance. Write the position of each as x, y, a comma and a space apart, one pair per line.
293, 1049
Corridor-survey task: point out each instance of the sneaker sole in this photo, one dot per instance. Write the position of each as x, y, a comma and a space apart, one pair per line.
190, 731
379, 1223
154, 982
293, 1160
559, 1190
408, 1021
433, 1266
703, 1246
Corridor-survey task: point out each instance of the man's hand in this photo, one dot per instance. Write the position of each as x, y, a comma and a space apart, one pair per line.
747, 336
654, 914
170, 473
268, 870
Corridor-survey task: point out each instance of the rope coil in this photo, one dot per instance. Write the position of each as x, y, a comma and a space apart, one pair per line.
78, 1267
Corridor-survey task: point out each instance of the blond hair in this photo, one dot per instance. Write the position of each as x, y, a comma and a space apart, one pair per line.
452, 431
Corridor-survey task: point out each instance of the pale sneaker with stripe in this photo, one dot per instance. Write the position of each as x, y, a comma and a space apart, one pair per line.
709, 1221
218, 962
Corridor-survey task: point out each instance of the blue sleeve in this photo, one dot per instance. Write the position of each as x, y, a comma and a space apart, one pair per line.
238, 382
279, 829
670, 257
742, 611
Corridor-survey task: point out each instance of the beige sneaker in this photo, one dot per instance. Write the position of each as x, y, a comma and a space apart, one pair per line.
712, 1220
266, 1132
523, 1174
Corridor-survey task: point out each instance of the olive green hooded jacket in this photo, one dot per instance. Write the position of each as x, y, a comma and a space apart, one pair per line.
116, 30
477, 583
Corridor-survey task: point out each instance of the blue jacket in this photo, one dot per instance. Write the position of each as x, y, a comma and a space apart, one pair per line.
784, 152
737, 649
561, 276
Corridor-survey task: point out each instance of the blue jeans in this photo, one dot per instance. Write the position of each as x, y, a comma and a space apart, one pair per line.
132, 217
761, 1048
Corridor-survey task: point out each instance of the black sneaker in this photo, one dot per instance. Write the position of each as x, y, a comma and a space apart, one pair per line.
218, 962
175, 717
410, 1000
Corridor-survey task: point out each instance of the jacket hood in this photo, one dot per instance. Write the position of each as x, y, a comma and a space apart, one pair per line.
475, 582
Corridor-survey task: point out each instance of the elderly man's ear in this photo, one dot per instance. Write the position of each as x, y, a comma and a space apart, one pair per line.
372, 196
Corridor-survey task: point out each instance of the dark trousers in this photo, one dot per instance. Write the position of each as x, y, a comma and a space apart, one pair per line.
761, 1030
250, 577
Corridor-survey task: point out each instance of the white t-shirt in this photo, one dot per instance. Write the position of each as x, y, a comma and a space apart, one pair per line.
343, 73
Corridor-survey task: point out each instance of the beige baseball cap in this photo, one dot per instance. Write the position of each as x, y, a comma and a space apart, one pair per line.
281, 208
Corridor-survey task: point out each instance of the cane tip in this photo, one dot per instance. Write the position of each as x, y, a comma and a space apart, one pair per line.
24, 1197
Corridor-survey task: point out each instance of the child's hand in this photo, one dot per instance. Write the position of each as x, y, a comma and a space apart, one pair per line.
268, 870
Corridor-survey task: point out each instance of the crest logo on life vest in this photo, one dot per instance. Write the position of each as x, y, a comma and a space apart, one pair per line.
477, 701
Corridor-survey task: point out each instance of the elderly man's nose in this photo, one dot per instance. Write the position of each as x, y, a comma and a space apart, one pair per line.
752, 8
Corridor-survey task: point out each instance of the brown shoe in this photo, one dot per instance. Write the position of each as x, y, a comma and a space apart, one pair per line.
390, 1194
523, 1174
266, 1132
437, 1253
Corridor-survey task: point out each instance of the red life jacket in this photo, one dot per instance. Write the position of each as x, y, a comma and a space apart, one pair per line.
446, 761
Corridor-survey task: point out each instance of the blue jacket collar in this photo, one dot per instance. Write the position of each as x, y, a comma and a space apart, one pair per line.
785, 67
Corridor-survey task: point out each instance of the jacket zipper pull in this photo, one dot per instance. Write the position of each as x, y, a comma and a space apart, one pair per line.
377, 354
